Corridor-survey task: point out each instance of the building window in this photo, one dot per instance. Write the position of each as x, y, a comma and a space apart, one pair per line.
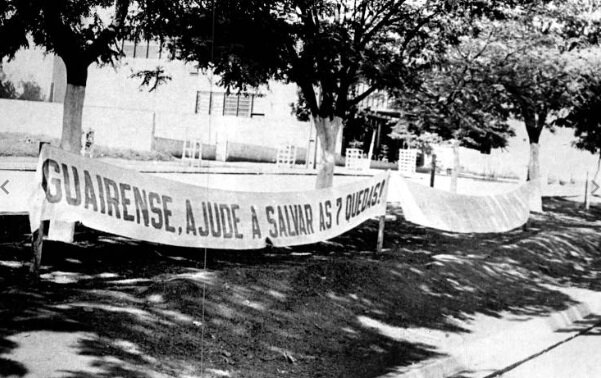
142, 49
239, 105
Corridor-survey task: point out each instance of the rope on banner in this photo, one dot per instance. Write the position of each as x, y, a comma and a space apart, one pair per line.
204, 282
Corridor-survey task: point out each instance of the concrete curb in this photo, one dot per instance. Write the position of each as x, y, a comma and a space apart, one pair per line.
485, 356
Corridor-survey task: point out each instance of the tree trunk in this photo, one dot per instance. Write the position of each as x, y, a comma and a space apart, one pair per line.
456, 167
77, 76
534, 162
327, 131
72, 118
534, 128
535, 201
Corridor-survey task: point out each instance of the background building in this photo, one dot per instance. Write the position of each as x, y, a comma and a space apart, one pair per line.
190, 104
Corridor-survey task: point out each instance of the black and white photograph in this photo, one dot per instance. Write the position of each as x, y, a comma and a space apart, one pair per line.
300, 188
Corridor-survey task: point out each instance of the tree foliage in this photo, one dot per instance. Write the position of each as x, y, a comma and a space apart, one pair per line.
577, 22
454, 100
300, 108
521, 64
525, 65
534, 70
530, 58
7, 88
585, 113
329, 48
580, 26
152, 79
31, 91
325, 46
80, 32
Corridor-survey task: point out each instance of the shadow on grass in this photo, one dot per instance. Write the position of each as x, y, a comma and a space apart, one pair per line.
329, 309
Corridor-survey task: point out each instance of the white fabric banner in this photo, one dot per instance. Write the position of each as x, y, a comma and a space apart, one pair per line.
140, 206
466, 213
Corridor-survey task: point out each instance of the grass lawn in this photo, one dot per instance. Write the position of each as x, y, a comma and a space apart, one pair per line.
108, 306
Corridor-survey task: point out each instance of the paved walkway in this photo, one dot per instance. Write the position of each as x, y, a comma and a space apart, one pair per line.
577, 357
247, 176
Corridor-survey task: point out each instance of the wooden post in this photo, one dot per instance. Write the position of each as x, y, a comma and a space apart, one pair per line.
37, 241
456, 166
381, 234
433, 172
586, 199
37, 244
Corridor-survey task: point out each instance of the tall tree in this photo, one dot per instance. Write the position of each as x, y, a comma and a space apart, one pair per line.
584, 115
536, 57
80, 32
456, 102
326, 47
534, 71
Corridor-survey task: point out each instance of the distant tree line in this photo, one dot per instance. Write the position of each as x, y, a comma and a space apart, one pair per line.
29, 90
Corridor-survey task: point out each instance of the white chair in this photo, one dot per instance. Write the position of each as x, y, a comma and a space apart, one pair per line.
407, 160
192, 152
286, 156
355, 159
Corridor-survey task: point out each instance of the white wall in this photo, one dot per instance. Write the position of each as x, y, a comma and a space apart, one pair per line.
31, 117
559, 159
114, 87
134, 129
260, 131
113, 127
122, 113
129, 129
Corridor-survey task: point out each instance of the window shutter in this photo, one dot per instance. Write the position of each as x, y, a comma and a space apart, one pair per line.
230, 105
245, 105
203, 102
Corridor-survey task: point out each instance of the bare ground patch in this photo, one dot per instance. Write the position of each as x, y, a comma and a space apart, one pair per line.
334, 309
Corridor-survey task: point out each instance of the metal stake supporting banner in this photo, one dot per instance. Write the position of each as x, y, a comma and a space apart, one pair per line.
37, 244
37, 241
586, 199
381, 233
433, 172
